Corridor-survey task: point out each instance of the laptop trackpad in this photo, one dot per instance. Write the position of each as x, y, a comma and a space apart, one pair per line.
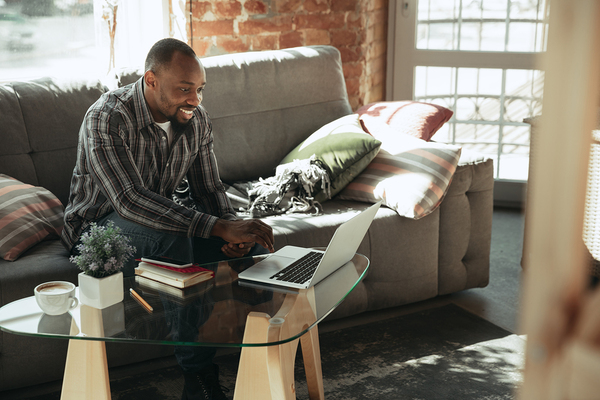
271, 265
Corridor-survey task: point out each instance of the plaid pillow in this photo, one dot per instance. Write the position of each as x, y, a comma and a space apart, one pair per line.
28, 215
410, 175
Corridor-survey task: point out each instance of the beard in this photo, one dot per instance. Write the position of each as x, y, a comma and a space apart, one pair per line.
177, 125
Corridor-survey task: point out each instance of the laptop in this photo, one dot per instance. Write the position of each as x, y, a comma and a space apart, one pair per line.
300, 268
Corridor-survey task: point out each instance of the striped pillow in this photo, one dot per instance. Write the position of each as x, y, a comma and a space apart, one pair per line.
28, 214
410, 175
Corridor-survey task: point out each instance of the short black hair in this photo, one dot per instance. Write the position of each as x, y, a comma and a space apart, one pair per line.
162, 52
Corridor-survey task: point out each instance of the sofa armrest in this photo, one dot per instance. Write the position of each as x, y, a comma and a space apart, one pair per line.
466, 225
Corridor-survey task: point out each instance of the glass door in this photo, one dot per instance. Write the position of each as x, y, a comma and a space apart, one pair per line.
477, 58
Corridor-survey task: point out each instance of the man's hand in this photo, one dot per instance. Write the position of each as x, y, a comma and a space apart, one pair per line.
244, 231
237, 250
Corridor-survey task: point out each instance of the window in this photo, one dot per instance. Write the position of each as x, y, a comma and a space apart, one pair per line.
71, 37
477, 58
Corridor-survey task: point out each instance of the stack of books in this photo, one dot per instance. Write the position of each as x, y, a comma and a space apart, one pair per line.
177, 277
180, 283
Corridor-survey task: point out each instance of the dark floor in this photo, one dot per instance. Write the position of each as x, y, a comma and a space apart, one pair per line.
497, 303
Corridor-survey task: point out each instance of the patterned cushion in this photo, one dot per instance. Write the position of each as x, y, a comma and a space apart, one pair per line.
414, 118
28, 215
410, 175
343, 147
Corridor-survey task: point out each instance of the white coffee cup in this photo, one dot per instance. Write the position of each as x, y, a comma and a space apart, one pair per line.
56, 297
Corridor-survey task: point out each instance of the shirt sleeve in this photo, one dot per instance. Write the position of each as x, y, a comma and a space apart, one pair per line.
206, 186
112, 166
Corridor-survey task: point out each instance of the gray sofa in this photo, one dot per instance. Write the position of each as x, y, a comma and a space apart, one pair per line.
262, 105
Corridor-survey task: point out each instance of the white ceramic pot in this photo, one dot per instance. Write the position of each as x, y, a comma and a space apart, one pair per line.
100, 292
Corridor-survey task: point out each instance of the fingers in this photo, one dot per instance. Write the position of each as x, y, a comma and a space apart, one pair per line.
238, 250
262, 234
245, 231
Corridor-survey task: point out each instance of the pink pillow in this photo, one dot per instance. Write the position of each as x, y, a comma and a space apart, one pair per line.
420, 120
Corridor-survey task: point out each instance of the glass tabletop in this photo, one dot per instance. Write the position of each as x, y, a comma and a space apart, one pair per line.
212, 313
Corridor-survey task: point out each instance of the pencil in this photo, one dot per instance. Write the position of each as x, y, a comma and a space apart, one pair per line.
143, 302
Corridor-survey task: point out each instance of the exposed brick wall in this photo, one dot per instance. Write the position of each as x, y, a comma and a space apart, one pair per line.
357, 28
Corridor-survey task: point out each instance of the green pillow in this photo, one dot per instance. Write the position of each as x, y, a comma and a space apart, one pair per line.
343, 147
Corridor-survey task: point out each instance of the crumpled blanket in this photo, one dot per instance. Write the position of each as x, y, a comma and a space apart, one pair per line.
290, 190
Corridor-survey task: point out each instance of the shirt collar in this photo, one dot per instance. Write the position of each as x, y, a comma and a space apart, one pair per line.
144, 116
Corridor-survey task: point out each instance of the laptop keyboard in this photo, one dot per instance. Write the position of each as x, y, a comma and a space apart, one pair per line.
300, 270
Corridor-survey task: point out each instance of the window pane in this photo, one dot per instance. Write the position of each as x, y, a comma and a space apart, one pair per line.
470, 36
514, 165
437, 9
523, 97
440, 36
471, 9
48, 38
477, 134
482, 25
522, 36
516, 135
492, 36
431, 81
494, 9
477, 109
490, 81
526, 9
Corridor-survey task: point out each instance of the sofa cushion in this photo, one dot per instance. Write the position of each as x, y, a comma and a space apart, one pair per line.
343, 147
410, 175
28, 215
421, 120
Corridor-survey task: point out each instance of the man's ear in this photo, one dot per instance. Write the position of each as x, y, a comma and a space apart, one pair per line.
150, 80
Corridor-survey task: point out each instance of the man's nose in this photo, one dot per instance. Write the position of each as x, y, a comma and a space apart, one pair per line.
194, 99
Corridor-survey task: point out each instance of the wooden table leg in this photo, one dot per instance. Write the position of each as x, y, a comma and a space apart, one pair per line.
86, 370
267, 372
311, 354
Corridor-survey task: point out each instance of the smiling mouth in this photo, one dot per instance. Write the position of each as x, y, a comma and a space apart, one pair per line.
187, 112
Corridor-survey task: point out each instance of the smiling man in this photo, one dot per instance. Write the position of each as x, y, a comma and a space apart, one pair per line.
136, 145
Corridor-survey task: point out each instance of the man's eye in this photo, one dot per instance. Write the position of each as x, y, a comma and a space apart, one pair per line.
184, 90
200, 90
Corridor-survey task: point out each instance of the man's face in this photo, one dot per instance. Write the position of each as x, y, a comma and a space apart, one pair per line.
176, 90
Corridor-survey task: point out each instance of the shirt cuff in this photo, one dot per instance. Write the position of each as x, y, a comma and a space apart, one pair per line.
229, 217
202, 225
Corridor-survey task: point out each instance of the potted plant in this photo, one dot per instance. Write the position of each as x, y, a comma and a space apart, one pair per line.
103, 253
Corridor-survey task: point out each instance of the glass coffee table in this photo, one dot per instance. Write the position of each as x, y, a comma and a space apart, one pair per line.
266, 322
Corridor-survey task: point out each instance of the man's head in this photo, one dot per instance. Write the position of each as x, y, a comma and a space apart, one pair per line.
173, 82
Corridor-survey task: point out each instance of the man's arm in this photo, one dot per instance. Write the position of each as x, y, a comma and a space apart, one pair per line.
208, 190
206, 187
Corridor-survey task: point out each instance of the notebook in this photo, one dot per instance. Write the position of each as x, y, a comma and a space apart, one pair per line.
300, 268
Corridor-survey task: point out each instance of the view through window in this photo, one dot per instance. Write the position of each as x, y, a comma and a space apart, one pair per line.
82, 37
489, 104
40, 37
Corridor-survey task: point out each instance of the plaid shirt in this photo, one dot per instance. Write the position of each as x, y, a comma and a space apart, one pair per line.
124, 164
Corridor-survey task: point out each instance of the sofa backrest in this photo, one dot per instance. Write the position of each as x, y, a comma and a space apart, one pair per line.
39, 126
262, 105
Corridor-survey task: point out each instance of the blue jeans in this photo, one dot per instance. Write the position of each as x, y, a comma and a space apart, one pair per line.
149, 242
183, 321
